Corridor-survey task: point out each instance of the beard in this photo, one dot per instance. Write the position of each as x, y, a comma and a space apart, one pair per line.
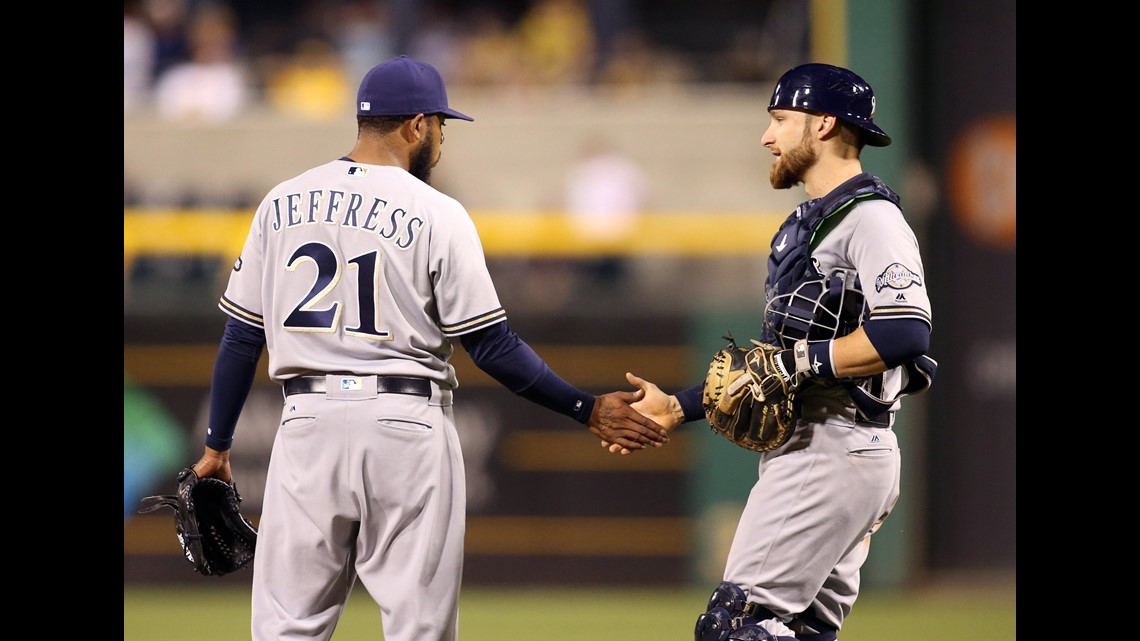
789, 169
421, 160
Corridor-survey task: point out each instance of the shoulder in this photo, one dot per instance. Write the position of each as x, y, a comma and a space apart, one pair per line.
403, 186
872, 214
443, 202
873, 224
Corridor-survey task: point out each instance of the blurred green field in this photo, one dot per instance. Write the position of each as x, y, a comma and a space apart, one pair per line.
221, 613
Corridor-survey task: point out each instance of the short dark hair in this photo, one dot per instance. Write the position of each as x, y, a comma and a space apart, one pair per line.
851, 134
380, 125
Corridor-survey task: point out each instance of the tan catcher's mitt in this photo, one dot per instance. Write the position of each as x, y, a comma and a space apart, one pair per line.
746, 400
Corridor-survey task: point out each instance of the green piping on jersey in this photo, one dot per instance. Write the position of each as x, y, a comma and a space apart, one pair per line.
833, 219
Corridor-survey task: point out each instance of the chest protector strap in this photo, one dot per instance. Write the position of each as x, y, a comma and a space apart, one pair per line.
867, 393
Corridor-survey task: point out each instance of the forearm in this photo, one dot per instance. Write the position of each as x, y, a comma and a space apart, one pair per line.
234, 372
555, 394
854, 356
508, 359
871, 349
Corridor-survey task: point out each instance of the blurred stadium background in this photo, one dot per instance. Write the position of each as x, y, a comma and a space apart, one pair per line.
616, 175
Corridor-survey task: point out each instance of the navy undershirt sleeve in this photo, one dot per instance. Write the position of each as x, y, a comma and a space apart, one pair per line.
234, 371
691, 402
898, 340
505, 357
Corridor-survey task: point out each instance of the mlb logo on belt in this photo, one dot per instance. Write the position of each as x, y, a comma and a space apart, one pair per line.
348, 384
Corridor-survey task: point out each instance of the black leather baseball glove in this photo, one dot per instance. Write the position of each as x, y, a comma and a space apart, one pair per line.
214, 535
747, 400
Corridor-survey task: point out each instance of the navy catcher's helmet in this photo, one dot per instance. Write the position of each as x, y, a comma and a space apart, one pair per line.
833, 90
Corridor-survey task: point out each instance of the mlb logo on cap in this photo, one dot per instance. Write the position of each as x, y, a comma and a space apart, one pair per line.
404, 87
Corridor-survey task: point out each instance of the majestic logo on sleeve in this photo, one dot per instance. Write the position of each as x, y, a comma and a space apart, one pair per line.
896, 276
237, 264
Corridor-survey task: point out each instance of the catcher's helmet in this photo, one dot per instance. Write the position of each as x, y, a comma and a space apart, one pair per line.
833, 90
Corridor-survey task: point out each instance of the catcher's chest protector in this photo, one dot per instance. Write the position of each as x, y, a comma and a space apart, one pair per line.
790, 266
789, 261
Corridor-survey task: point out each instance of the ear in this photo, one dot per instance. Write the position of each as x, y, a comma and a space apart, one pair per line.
415, 129
826, 126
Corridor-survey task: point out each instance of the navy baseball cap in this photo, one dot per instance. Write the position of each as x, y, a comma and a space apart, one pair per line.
404, 87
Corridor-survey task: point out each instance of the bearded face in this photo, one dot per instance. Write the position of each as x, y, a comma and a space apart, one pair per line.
790, 167
424, 158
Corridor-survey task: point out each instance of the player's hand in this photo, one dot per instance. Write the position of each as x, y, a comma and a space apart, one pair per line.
215, 463
613, 420
655, 404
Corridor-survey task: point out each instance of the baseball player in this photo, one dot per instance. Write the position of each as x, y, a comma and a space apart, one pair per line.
358, 276
847, 300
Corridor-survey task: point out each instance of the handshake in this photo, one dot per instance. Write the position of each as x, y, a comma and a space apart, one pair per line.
630, 421
748, 398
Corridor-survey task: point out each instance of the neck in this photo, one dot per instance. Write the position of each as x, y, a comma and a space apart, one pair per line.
378, 152
824, 177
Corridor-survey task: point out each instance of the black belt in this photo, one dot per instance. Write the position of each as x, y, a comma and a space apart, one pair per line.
384, 385
820, 414
882, 420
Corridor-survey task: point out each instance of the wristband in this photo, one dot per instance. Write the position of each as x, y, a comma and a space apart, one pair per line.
819, 359
812, 359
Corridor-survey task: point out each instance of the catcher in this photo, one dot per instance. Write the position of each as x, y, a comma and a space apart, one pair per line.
215, 538
846, 328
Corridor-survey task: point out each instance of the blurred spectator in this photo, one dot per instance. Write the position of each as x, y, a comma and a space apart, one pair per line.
170, 21
558, 41
620, 43
211, 86
491, 52
784, 39
438, 38
405, 19
633, 62
606, 192
363, 36
611, 20
139, 57
313, 84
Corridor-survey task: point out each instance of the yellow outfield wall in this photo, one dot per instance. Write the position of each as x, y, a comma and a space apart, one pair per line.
505, 234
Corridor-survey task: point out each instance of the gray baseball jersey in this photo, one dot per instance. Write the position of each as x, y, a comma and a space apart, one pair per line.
876, 242
805, 530
361, 268
355, 270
